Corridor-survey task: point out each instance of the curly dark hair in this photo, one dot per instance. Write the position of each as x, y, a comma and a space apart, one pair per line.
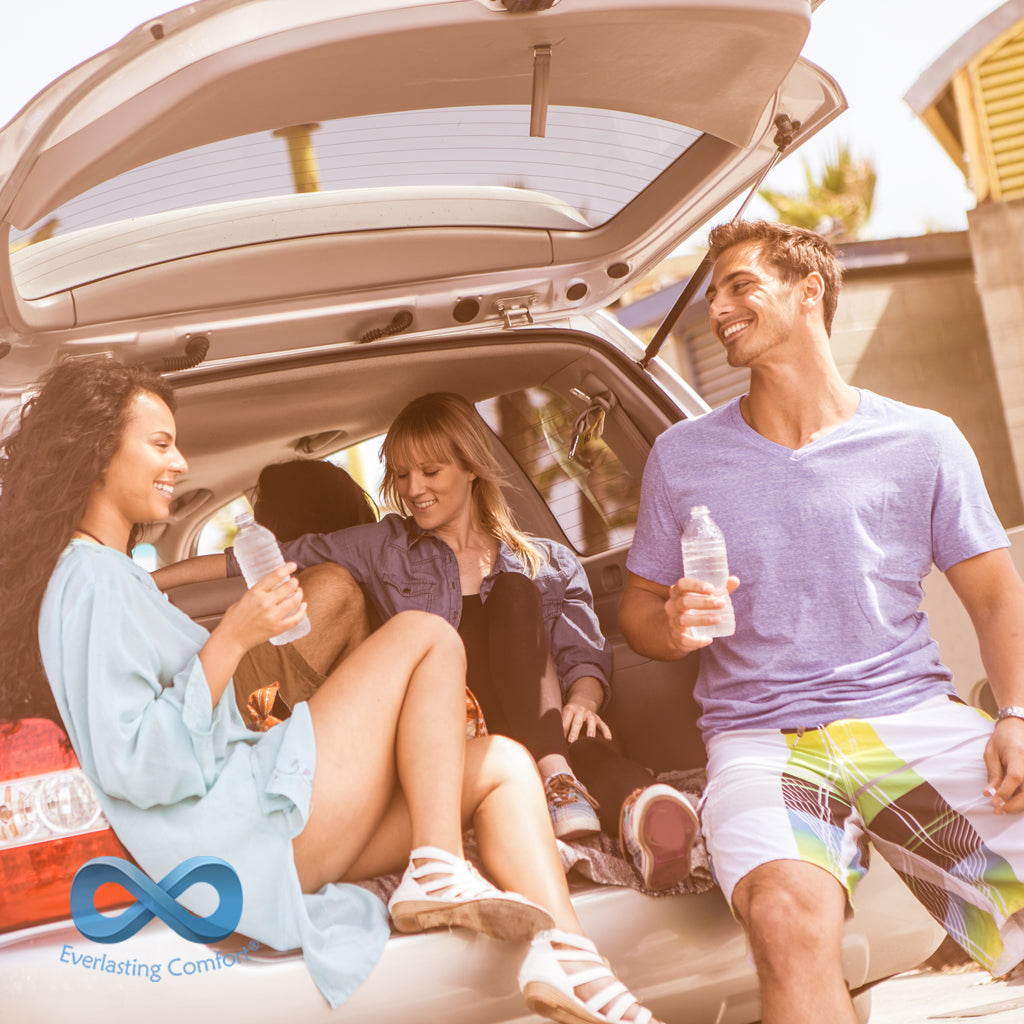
62, 441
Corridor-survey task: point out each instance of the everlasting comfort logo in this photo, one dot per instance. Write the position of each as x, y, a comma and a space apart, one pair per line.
156, 899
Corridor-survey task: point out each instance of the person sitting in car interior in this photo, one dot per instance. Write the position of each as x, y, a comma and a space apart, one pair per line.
537, 661
371, 774
292, 498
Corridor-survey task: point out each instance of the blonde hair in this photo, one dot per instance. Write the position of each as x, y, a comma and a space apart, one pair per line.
444, 427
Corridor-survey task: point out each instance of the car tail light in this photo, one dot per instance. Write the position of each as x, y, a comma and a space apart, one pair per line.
50, 825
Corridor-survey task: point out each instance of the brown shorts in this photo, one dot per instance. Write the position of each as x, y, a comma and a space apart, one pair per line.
267, 664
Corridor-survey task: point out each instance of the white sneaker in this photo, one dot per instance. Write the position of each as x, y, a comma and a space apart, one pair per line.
573, 810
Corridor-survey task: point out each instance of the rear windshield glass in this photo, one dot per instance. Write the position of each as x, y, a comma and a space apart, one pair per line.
594, 161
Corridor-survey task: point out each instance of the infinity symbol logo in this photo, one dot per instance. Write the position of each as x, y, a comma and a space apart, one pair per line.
156, 899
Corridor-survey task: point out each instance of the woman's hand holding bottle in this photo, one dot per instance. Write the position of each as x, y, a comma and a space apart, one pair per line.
271, 607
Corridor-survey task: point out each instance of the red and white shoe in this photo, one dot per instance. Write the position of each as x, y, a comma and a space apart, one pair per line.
656, 831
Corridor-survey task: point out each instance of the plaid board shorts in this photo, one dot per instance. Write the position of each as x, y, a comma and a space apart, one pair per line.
911, 783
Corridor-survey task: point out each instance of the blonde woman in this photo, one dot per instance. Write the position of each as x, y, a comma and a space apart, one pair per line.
537, 661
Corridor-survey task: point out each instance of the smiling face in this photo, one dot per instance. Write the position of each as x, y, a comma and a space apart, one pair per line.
138, 484
753, 310
438, 494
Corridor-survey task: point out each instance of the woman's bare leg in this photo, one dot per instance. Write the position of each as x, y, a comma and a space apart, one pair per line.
393, 711
503, 799
517, 844
513, 827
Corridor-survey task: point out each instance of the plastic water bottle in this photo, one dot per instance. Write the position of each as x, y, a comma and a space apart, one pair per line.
258, 553
705, 559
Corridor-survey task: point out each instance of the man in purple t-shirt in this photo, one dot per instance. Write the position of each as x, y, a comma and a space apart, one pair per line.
828, 716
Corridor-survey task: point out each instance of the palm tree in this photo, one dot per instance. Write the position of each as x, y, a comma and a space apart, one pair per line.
837, 204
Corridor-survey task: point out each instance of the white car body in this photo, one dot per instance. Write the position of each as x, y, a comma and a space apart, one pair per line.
318, 315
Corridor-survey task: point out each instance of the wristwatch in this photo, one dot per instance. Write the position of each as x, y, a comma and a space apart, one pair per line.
1013, 711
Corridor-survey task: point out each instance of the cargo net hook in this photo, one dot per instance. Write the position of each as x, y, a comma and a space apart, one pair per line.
589, 425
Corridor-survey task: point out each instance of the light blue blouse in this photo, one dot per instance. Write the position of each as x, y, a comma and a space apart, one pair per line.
178, 777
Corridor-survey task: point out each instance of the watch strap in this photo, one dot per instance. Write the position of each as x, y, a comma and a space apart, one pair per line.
1011, 711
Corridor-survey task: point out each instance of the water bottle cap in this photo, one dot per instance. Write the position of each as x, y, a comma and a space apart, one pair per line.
700, 510
244, 519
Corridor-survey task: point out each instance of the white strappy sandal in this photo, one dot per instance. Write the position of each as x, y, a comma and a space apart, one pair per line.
550, 989
445, 891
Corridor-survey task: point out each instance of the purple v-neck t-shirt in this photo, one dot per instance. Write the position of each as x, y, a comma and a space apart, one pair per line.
831, 543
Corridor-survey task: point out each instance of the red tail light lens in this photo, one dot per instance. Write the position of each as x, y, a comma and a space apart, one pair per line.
50, 825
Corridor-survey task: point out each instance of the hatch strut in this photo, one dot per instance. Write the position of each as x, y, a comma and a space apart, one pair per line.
541, 89
784, 135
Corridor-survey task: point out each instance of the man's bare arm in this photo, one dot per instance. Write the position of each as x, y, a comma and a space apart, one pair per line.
993, 594
656, 619
643, 620
191, 570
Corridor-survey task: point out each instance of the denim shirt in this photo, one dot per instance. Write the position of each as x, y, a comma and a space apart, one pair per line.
403, 568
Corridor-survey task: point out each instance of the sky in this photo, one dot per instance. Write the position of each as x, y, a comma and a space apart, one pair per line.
875, 49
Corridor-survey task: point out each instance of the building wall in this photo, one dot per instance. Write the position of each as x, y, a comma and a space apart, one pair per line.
997, 238
918, 334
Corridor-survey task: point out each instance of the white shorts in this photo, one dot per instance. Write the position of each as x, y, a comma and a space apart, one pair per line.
911, 783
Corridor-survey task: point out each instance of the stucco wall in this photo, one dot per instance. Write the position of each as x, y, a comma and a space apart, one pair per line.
917, 333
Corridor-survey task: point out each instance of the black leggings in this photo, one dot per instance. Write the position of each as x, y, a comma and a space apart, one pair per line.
506, 654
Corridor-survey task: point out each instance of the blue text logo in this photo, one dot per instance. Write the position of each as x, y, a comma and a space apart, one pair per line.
156, 899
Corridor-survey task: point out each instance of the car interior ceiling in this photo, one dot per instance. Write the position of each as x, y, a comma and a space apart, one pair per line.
229, 426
